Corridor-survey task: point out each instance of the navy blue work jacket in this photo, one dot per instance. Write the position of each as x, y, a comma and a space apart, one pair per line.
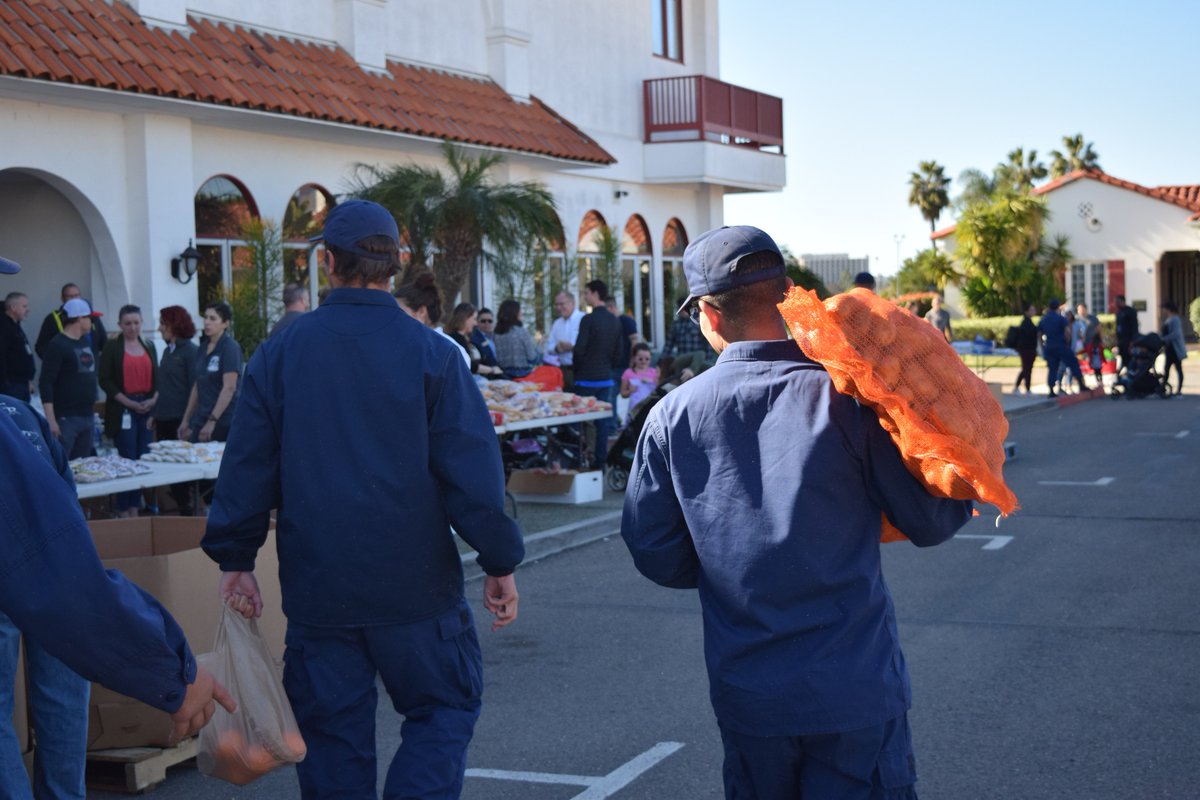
761, 485
54, 588
366, 431
1054, 327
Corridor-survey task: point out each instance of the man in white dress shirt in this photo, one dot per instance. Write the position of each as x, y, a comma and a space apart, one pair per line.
560, 342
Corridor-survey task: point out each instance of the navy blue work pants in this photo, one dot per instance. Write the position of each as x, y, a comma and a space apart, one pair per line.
1056, 356
433, 672
869, 764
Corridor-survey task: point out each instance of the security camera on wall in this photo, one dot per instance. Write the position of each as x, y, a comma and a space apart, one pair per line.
1093, 224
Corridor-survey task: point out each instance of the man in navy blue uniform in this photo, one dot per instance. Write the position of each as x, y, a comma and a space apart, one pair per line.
366, 431
760, 485
54, 589
1056, 346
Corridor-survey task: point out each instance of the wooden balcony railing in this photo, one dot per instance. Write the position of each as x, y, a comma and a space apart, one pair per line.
701, 108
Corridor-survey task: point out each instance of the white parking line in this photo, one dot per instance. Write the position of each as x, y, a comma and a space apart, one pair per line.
996, 541
1179, 435
1099, 482
598, 788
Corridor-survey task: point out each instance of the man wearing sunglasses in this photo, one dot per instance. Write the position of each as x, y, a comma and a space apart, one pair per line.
760, 485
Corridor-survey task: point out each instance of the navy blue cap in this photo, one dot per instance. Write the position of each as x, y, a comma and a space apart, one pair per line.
1053, 304
9, 267
865, 280
349, 222
710, 263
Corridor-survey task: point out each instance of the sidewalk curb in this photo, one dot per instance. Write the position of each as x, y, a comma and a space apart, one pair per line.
555, 540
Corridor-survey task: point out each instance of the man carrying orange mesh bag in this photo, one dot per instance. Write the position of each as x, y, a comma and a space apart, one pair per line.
762, 486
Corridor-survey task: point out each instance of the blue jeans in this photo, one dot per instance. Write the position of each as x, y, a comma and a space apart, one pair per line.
133, 443
77, 435
58, 702
433, 672
604, 427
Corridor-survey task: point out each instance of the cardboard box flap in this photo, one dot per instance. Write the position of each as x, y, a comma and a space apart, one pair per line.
127, 724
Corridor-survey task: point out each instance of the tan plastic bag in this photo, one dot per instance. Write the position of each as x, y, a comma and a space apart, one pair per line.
262, 734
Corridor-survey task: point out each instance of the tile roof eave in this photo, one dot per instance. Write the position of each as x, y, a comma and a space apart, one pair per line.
224, 64
143, 101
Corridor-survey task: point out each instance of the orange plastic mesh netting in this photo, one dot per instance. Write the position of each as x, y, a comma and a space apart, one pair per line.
947, 425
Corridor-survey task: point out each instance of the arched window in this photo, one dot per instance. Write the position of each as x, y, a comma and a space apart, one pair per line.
303, 219
223, 206
634, 294
588, 262
674, 285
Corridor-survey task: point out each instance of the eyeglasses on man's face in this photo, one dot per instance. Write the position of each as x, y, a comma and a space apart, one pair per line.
485, 320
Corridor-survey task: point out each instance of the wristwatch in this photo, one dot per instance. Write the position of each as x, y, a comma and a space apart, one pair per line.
211, 418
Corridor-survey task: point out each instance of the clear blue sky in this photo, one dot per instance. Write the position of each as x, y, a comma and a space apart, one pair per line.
871, 88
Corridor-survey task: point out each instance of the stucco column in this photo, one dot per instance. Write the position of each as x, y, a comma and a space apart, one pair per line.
361, 28
161, 189
508, 46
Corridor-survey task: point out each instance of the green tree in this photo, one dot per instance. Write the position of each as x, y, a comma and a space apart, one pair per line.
928, 270
460, 212
927, 191
257, 288
1020, 171
801, 276
1002, 256
1078, 155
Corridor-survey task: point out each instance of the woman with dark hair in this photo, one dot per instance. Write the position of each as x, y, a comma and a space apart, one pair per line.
209, 410
176, 376
460, 326
128, 375
421, 298
516, 352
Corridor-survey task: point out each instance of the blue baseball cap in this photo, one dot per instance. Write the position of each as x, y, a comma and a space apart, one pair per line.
9, 267
710, 264
349, 222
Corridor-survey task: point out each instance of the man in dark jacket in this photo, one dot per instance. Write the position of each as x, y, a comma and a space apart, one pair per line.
69, 383
1127, 329
597, 353
762, 486
16, 356
367, 433
56, 320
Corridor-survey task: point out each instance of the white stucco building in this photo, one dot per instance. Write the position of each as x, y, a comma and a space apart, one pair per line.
1142, 242
131, 127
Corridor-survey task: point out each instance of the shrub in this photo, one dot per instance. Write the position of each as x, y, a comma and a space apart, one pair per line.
994, 328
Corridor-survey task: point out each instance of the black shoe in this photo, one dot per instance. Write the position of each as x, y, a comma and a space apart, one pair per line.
1051, 393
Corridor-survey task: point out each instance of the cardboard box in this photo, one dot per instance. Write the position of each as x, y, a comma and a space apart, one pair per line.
568, 486
163, 556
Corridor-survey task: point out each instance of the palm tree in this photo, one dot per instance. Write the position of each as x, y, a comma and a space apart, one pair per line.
459, 212
1079, 155
927, 191
1021, 171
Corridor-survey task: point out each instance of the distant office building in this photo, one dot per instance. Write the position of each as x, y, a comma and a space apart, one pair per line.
835, 269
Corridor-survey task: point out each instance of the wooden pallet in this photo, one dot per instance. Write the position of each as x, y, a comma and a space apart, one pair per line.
135, 769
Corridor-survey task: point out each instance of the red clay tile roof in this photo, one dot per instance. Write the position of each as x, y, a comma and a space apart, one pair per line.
107, 45
1187, 197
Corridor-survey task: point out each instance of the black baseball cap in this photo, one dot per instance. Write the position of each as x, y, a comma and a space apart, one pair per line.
351, 221
9, 267
710, 264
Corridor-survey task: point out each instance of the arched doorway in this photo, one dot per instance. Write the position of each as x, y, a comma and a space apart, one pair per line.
58, 236
303, 219
223, 207
674, 285
633, 293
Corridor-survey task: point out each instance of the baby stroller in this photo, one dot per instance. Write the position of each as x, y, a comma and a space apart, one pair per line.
620, 453
1140, 378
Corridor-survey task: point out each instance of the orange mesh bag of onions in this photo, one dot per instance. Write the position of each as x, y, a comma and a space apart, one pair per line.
947, 425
